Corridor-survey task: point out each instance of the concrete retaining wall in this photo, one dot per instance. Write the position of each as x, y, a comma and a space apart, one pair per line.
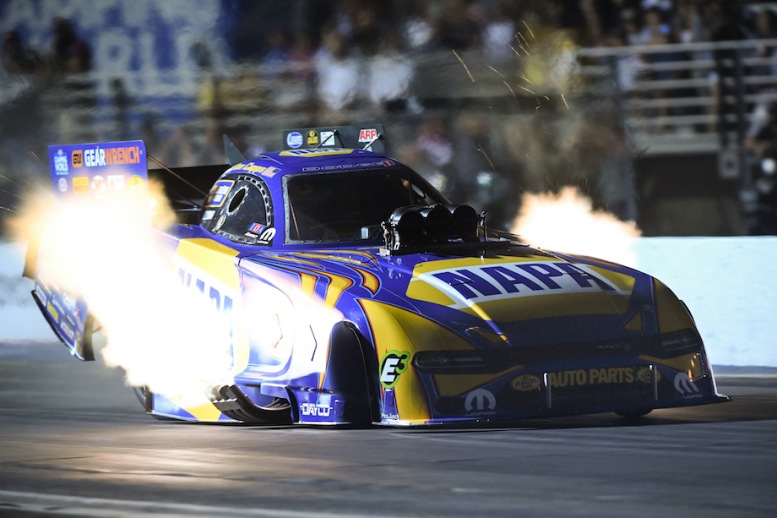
729, 283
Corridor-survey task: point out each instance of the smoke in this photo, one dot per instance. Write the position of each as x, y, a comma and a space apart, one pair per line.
566, 222
108, 252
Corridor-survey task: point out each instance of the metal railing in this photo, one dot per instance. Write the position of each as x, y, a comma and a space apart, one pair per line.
672, 98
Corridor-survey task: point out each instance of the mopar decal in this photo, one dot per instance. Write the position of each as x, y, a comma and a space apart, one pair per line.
393, 364
480, 402
686, 387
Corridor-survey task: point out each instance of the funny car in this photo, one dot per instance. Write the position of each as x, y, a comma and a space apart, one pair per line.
433, 318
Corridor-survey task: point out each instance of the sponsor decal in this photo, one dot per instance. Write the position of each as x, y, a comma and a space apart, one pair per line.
526, 383
81, 184
98, 184
368, 135
52, 311
480, 402
256, 228
315, 152
126, 160
67, 331
599, 376
686, 387
136, 184
264, 234
115, 182
312, 138
315, 409
218, 193
77, 159
266, 237
253, 168
348, 167
101, 156
62, 184
485, 283
60, 163
220, 222
328, 138
269, 172
294, 139
394, 363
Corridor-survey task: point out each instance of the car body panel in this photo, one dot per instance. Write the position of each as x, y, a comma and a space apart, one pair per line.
346, 329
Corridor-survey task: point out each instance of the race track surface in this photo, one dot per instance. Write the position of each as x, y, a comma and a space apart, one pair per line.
76, 441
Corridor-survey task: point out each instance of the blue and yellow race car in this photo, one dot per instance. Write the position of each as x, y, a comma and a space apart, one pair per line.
432, 318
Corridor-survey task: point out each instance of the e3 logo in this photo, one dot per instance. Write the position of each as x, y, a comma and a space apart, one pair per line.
393, 364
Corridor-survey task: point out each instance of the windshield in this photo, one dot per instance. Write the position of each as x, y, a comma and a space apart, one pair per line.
351, 205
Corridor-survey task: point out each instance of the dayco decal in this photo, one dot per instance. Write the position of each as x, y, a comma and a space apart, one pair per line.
492, 282
605, 375
315, 409
392, 365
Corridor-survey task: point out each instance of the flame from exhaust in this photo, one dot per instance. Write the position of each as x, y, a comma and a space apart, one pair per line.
106, 250
566, 222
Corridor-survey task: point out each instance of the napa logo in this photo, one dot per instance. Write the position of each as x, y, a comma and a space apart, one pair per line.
495, 281
218, 294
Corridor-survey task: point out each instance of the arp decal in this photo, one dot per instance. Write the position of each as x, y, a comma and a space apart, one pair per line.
392, 366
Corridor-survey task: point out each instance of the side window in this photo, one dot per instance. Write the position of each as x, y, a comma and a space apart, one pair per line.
239, 208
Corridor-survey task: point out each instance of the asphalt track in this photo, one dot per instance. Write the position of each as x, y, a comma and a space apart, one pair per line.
74, 441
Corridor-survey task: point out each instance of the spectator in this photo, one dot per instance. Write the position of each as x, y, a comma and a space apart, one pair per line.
432, 152
456, 27
499, 33
338, 74
728, 80
388, 78
18, 59
71, 54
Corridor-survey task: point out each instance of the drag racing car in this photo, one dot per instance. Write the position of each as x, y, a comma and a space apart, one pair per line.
433, 318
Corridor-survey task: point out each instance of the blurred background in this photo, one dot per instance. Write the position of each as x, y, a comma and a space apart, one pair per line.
662, 112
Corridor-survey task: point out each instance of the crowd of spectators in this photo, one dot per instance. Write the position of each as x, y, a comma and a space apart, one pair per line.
347, 59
